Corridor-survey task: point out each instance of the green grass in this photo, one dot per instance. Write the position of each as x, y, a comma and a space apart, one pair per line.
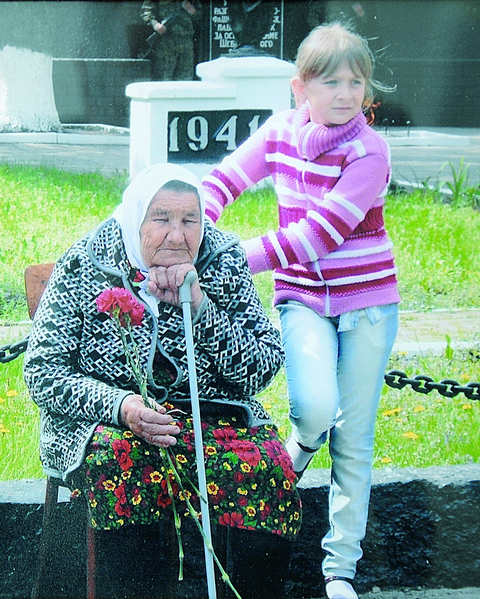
18, 426
420, 430
415, 430
43, 211
436, 249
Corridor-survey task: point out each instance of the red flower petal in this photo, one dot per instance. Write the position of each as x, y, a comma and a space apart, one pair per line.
120, 302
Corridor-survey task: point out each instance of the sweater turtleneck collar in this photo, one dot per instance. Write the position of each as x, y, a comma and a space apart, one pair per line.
314, 139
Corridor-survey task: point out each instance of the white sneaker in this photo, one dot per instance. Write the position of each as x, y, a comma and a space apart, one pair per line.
340, 589
300, 457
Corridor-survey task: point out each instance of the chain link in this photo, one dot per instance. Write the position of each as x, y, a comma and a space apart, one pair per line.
395, 378
12, 351
424, 384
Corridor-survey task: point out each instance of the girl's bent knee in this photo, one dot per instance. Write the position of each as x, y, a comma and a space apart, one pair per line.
313, 421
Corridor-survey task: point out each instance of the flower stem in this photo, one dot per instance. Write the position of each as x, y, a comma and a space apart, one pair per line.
133, 359
176, 516
196, 517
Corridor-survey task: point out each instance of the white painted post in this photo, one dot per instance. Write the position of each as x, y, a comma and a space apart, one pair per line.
27, 101
227, 99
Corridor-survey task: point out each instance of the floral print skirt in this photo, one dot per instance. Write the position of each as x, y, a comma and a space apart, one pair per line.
250, 479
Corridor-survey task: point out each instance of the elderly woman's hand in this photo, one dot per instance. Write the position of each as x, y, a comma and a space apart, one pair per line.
165, 282
154, 426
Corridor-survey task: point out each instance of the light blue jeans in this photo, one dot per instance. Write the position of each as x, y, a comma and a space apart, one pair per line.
335, 372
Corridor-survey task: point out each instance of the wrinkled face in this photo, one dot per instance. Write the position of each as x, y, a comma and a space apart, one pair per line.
170, 232
335, 99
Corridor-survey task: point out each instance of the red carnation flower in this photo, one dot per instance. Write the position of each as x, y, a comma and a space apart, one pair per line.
120, 303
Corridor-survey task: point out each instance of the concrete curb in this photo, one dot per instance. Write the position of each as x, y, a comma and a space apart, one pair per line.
76, 139
421, 530
86, 134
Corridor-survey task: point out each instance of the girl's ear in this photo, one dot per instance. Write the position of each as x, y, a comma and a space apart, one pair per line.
298, 89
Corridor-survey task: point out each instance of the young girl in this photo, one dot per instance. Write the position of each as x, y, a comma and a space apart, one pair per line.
334, 273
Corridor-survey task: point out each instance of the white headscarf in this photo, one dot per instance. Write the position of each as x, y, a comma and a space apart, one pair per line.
136, 199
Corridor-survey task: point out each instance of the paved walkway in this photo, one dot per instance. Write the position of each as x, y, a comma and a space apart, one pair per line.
418, 156
419, 332
107, 154
419, 160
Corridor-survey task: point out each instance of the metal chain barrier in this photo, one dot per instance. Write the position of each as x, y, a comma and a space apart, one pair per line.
395, 378
12, 351
424, 384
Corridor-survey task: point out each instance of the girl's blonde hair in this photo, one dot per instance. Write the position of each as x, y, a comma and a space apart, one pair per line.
327, 47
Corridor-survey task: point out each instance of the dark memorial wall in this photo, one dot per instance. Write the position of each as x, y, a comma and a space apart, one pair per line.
429, 49
246, 27
268, 27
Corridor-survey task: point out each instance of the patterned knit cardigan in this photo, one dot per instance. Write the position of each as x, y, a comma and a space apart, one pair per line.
331, 252
75, 366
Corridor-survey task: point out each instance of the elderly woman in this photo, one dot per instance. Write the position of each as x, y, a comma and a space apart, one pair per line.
97, 433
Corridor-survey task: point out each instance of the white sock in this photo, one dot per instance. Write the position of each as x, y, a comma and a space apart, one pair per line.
340, 589
299, 457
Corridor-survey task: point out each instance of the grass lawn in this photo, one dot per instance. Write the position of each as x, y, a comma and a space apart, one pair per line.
43, 211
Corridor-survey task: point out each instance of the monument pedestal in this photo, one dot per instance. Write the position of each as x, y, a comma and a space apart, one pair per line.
197, 123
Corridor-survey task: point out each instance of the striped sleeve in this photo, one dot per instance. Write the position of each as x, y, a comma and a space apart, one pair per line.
238, 171
324, 228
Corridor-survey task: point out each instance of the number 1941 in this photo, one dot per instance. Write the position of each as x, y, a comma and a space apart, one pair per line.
207, 136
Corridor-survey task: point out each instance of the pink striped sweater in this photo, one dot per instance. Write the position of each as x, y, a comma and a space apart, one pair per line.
331, 251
